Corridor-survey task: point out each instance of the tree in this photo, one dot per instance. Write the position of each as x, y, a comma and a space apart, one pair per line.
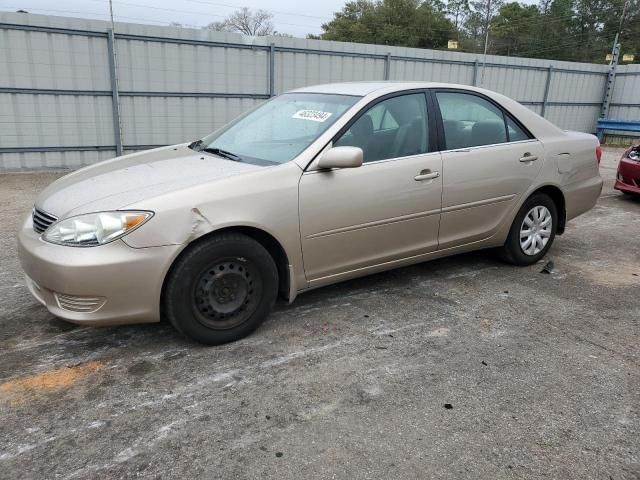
510, 29
411, 23
253, 23
572, 30
483, 13
458, 10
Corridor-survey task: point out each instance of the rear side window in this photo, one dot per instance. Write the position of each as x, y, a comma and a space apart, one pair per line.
393, 128
470, 121
516, 134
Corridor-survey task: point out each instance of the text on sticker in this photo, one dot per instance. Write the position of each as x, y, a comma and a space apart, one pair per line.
313, 115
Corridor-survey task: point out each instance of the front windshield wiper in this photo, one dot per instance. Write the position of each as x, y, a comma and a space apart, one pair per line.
222, 153
198, 147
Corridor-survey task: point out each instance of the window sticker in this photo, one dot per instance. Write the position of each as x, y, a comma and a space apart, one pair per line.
313, 115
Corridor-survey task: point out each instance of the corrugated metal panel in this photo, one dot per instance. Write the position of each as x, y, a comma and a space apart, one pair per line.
45, 60
579, 118
431, 72
522, 85
51, 160
294, 70
166, 67
54, 120
627, 89
165, 121
574, 87
187, 61
626, 102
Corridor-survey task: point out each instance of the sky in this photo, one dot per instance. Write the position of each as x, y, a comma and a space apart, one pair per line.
295, 17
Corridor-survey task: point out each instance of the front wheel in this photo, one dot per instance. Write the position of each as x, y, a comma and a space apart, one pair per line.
221, 289
532, 232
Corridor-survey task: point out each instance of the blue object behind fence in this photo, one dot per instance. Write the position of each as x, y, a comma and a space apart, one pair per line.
618, 125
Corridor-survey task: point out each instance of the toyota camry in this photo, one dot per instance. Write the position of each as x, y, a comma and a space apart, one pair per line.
313, 187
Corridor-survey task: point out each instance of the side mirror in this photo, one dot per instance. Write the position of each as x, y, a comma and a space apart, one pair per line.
341, 157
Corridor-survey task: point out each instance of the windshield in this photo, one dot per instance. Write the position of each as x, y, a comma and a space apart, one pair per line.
278, 130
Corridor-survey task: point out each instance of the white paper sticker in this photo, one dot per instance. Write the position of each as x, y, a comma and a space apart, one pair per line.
313, 115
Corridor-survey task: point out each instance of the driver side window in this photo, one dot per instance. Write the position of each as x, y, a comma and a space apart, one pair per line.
393, 128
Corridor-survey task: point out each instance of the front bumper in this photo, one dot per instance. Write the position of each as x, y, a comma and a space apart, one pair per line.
628, 176
106, 285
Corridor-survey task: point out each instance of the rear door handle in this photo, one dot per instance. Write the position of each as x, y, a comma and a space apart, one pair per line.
527, 157
426, 175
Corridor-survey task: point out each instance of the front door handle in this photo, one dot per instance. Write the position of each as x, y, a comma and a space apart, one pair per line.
426, 175
527, 157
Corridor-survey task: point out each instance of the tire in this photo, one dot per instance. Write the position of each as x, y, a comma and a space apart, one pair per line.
514, 250
221, 289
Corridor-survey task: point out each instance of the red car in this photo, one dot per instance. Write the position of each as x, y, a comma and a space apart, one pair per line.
628, 177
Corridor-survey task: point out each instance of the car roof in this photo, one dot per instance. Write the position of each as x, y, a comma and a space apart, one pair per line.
365, 88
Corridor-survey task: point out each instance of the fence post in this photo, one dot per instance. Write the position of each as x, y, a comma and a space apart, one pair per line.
475, 73
387, 66
272, 70
546, 90
115, 98
611, 78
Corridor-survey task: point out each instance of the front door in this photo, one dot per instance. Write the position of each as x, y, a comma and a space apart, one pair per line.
385, 210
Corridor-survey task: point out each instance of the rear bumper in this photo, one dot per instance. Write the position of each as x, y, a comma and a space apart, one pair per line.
628, 176
106, 285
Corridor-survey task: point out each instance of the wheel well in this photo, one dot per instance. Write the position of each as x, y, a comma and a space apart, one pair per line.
558, 198
268, 242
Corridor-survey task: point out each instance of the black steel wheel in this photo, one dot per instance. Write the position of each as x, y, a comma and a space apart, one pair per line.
220, 289
227, 293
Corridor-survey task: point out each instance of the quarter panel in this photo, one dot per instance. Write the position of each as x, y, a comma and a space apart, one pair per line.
576, 170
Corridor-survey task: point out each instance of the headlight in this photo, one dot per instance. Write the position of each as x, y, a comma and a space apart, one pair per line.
95, 228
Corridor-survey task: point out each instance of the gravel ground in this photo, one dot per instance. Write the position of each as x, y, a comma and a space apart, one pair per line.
458, 368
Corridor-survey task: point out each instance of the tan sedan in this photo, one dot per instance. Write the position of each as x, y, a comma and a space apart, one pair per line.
313, 187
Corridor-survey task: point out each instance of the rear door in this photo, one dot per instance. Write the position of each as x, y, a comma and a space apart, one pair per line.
385, 210
489, 160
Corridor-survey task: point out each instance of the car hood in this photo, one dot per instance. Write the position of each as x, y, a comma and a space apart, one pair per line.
116, 183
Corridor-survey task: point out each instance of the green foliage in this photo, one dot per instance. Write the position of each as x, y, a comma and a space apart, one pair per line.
410, 23
575, 30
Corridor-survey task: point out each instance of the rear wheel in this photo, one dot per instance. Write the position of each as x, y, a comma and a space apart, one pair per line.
221, 289
532, 232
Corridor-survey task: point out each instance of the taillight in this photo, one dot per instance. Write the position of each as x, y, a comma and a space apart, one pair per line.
598, 152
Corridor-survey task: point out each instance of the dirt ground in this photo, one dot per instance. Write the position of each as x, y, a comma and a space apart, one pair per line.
458, 368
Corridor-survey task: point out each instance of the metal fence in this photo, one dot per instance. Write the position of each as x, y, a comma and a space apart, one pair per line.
63, 102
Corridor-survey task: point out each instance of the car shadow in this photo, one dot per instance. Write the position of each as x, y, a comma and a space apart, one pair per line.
625, 199
67, 342
399, 278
